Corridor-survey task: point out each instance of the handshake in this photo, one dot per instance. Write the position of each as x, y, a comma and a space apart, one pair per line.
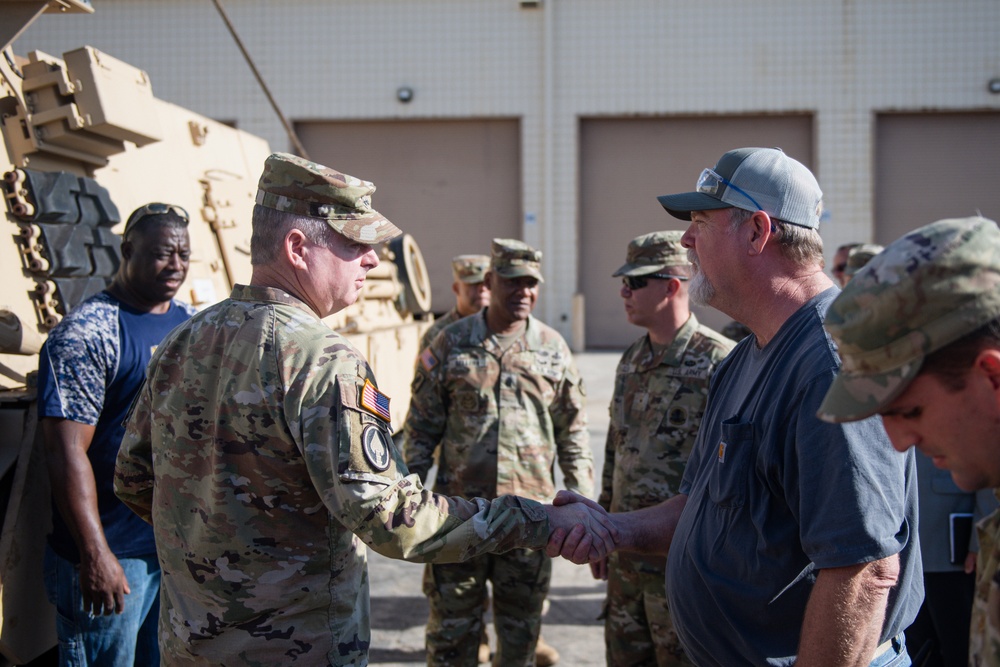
582, 531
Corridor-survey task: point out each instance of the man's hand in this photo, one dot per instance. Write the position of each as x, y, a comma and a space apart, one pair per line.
599, 568
103, 584
581, 530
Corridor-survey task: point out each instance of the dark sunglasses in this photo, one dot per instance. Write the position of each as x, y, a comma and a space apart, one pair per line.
154, 208
638, 282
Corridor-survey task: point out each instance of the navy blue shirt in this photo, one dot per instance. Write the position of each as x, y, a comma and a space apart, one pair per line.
89, 370
775, 494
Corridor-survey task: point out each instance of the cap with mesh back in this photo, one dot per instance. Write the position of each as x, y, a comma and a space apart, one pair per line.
782, 187
923, 292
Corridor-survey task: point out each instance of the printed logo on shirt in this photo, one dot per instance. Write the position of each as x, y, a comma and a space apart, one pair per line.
722, 452
375, 447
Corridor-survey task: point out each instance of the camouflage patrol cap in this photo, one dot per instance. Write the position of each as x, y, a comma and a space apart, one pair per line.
295, 185
860, 255
470, 268
653, 252
510, 258
923, 292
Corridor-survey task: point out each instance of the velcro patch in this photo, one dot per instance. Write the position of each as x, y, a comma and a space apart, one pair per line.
375, 401
427, 359
375, 447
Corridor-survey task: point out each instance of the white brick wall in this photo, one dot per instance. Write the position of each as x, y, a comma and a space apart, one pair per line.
842, 61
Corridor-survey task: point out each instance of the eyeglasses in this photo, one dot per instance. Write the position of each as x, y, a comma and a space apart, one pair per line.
154, 208
709, 182
839, 268
638, 282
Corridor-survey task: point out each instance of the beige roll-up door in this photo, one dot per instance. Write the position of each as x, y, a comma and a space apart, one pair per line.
625, 163
453, 185
930, 166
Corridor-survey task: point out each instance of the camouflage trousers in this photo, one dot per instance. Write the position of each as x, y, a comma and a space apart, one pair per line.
456, 593
638, 630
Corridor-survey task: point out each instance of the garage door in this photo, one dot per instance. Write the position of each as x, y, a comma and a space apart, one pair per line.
624, 165
452, 185
930, 166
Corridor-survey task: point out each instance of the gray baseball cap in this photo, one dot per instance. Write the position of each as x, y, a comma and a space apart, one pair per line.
923, 292
754, 179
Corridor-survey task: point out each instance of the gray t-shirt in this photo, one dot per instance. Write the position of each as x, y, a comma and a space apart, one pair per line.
775, 494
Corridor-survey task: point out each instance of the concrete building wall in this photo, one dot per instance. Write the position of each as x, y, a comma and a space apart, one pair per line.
843, 63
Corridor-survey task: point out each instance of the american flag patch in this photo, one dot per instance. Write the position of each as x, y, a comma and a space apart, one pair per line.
375, 401
427, 359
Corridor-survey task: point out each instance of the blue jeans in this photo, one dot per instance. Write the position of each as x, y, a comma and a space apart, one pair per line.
118, 640
896, 656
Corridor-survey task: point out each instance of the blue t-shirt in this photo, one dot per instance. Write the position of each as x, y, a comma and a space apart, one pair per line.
775, 494
89, 370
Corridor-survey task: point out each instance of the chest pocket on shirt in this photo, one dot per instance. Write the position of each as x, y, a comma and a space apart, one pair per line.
730, 464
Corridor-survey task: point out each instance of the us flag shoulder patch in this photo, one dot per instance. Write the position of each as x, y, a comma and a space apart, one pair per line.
375, 401
427, 359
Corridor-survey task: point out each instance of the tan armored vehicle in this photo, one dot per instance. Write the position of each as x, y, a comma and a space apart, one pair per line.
85, 142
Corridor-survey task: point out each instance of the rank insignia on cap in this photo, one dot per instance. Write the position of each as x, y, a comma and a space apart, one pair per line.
427, 359
375, 447
375, 401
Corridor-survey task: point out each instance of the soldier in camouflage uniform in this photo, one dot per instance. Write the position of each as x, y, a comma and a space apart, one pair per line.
918, 329
471, 293
274, 461
660, 389
499, 394
858, 257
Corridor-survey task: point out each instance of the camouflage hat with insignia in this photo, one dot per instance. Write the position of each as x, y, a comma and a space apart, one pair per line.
295, 185
923, 292
510, 258
859, 256
650, 253
470, 268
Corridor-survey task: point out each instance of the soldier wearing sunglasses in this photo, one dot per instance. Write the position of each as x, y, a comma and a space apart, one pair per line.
661, 384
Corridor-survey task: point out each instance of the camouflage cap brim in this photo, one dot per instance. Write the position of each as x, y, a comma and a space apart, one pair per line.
630, 269
854, 396
519, 272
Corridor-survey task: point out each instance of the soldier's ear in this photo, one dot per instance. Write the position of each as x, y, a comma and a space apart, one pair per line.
295, 247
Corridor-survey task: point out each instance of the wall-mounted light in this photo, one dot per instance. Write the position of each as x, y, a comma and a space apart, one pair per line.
994, 86
404, 94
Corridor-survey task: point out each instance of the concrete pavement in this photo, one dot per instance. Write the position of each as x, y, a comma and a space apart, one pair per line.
399, 608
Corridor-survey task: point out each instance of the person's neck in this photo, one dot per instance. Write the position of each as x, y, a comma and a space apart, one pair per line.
768, 305
663, 332
503, 326
129, 297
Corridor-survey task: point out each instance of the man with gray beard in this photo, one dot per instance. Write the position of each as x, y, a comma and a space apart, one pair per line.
792, 540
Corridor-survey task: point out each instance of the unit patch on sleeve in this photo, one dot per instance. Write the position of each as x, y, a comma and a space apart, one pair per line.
375, 447
375, 401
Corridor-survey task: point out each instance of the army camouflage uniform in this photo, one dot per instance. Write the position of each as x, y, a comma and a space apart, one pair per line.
469, 269
656, 410
984, 638
920, 294
501, 419
259, 448
439, 324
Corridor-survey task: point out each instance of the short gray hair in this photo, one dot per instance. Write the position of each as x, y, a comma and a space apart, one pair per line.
270, 227
798, 244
